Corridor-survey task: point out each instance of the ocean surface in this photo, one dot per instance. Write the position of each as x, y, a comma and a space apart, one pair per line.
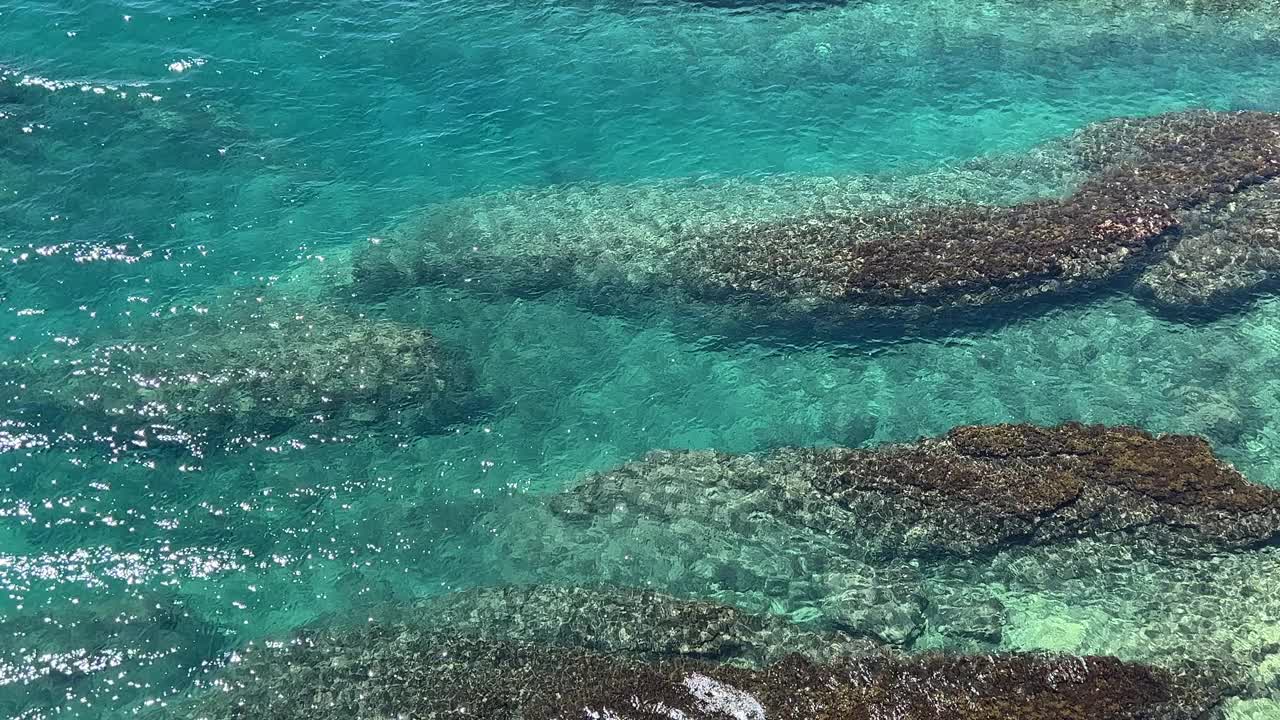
162, 157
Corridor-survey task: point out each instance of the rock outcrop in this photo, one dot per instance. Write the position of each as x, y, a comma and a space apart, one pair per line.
401, 669
849, 250
884, 543
973, 490
422, 676
1227, 252
249, 370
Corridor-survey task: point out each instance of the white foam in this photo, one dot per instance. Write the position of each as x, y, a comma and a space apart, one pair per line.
717, 697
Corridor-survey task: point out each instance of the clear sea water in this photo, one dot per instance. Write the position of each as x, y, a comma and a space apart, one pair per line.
156, 153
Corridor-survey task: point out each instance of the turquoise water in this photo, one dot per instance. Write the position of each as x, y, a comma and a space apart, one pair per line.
164, 154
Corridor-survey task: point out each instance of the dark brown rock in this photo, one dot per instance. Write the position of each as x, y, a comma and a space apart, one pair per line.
640, 623
1145, 172
932, 257
834, 252
377, 671
1180, 158
974, 490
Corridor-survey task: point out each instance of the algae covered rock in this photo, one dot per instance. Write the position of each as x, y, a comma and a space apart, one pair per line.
239, 372
635, 622
600, 239
377, 671
1227, 251
860, 539
970, 491
549, 653
1112, 200
1180, 158
1143, 174
924, 259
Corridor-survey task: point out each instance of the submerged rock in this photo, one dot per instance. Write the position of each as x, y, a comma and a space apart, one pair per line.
1227, 250
924, 259
1144, 173
848, 249
250, 370
731, 544
971, 491
397, 671
857, 537
887, 605
548, 653
642, 623
594, 238
599, 239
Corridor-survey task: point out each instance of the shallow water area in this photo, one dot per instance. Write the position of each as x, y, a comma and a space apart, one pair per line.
164, 165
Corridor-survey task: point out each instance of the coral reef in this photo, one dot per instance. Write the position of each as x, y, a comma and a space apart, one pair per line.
254, 368
433, 669
854, 248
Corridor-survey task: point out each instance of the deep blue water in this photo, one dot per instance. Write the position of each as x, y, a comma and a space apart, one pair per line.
158, 155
